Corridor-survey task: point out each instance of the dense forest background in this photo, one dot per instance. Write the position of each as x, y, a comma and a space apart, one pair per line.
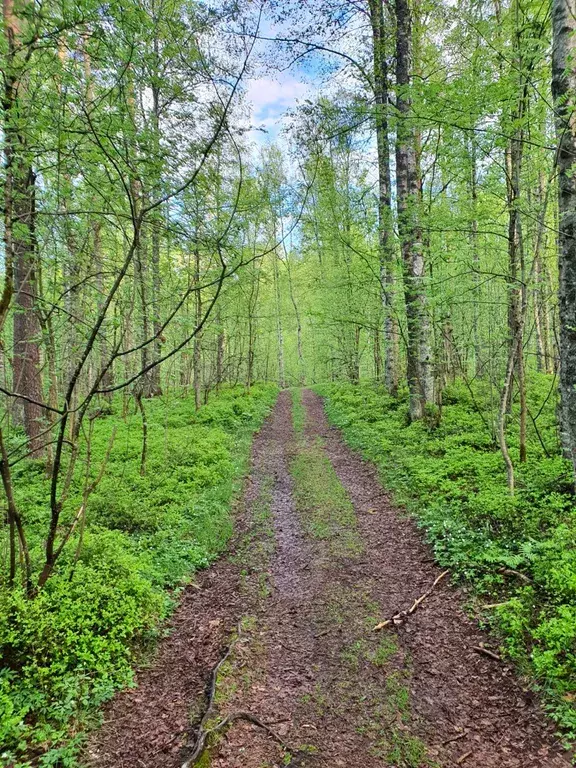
404, 228
410, 228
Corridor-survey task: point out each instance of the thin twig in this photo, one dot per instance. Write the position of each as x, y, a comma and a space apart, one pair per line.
455, 738
486, 652
399, 617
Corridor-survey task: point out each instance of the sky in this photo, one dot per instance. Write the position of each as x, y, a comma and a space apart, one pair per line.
270, 98
271, 93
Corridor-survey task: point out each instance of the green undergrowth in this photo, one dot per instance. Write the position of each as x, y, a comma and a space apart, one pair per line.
451, 476
69, 649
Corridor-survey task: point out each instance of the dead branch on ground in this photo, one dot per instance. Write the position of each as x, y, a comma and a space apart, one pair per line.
486, 652
205, 732
401, 616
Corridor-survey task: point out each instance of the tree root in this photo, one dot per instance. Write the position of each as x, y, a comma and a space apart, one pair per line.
517, 574
401, 616
204, 732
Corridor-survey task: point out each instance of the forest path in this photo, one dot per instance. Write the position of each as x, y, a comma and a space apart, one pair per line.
320, 557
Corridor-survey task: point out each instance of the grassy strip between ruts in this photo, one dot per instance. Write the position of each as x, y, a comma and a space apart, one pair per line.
323, 503
69, 649
520, 551
381, 702
298, 412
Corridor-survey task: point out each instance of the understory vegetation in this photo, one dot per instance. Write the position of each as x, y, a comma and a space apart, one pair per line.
146, 530
517, 551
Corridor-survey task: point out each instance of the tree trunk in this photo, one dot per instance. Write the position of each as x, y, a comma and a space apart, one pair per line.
385, 218
475, 261
377, 355
564, 93
19, 211
104, 350
220, 349
517, 295
197, 353
542, 280
156, 223
279, 327
301, 376
418, 352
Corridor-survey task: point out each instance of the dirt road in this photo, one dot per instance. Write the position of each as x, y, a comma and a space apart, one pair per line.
320, 557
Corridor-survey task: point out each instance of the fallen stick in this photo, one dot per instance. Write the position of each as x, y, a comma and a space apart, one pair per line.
200, 743
399, 617
455, 738
486, 652
518, 574
463, 757
204, 733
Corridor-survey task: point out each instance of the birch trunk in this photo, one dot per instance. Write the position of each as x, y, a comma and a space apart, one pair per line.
385, 218
418, 352
564, 94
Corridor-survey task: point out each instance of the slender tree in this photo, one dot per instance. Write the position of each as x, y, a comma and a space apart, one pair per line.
418, 352
564, 90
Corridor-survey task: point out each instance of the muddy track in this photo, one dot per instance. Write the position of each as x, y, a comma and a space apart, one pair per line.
321, 555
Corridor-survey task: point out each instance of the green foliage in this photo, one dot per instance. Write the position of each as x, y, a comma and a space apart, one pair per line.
70, 648
452, 477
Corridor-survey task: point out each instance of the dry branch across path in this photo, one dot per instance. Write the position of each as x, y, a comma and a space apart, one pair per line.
321, 557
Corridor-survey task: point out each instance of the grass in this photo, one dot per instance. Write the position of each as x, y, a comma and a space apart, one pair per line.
385, 652
372, 681
406, 750
298, 412
70, 649
322, 501
452, 478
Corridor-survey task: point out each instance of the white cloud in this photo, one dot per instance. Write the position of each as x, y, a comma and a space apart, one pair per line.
269, 100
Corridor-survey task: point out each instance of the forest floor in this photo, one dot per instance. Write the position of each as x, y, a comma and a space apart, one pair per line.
320, 557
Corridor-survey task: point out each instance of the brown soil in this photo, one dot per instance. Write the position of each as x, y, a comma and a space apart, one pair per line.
307, 662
